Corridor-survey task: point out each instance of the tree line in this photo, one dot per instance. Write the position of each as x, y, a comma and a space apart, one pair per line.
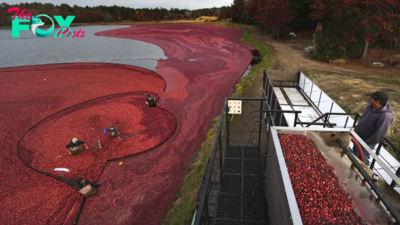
345, 27
110, 13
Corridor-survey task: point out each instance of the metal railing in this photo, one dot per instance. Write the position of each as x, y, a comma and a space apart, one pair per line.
213, 174
367, 179
325, 117
202, 211
385, 143
275, 110
272, 102
259, 116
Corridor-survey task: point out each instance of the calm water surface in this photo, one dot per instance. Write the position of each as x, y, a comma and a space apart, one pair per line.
31, 50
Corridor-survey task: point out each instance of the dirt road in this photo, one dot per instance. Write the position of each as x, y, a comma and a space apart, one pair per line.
289, 57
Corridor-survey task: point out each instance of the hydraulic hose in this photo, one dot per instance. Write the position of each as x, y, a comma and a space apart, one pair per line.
358, 146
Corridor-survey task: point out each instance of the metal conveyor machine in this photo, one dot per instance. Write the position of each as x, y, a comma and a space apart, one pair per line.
301, 109
295, 164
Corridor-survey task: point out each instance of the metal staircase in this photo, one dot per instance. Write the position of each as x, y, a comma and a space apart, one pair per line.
241, 199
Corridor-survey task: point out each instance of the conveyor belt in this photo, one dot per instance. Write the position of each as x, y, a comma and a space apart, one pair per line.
292, 99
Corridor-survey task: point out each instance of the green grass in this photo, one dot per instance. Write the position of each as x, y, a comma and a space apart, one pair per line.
259, 68
384, 81
183, 208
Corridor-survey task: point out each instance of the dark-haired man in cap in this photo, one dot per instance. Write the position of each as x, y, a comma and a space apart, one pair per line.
375, 122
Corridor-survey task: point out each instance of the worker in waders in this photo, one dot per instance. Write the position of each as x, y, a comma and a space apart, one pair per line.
151, 101
86, 188
76, 146
113, 131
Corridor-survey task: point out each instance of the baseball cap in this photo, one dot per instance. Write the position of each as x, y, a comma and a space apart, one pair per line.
379, 95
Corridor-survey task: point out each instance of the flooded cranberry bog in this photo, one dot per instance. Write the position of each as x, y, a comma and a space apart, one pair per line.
44, 106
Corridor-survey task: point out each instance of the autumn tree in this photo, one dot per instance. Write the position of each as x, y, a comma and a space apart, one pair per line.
271, 13
226, 12
240, 11
5, 18
300, 10
369, 17
393, 37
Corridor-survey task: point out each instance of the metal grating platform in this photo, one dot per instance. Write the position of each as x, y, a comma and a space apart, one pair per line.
253, 185
251, 153
235, 222
252, 167
241, 199
234, 152
232, 166
255, 208
230, 183
229, 206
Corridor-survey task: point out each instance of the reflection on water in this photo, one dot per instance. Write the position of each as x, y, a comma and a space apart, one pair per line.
31, 50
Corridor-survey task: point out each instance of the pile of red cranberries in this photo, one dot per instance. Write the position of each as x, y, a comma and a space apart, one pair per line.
320, 197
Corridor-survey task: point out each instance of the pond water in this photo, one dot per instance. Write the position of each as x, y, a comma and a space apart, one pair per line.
29, 49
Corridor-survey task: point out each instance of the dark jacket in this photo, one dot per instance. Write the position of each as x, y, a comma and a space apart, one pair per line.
112, 129
151, 101
72, 144
374, 125
81, 183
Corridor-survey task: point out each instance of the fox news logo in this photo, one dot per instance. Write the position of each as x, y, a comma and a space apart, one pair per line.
35, 22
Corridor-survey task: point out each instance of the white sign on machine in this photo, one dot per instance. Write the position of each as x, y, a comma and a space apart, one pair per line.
235, 106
